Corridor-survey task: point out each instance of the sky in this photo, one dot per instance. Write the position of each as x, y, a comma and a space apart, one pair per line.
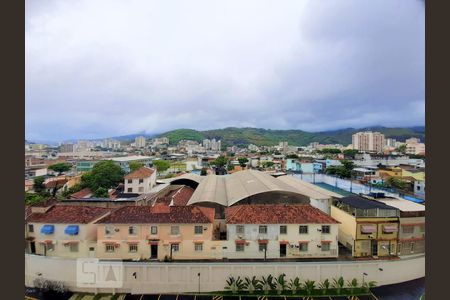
102, 68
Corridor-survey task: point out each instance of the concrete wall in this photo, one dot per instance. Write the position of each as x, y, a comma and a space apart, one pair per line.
183, 277
147, 184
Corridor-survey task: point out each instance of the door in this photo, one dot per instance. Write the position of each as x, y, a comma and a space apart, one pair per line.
374, 248
153, 251
282, 250
32, 247
91, 252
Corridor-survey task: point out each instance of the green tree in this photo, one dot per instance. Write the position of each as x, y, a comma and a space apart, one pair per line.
105, 174
350, 152
32, 198
220, 161
401, 149
329, 151
203, 172
38, 184
134, 165
161, 165
243, 161
395, 183
101, 192
268, 164
60, 167
292, 155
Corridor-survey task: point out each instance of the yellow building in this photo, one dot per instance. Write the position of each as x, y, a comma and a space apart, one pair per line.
367, 227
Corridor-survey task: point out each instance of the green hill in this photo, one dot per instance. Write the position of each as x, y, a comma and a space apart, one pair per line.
258, 136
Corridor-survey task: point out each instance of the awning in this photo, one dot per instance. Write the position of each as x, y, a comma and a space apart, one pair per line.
368, 228
153, 242
198, 242
325, 242
240, 242
133, 242
116, 244
390, 228
47, 229
263, 241
303, 242
46, 242
66, 243
174, 242
284, 242
71, 230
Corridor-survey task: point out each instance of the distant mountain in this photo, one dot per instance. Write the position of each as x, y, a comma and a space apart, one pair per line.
258, 136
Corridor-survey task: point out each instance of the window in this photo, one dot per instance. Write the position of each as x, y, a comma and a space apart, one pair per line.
399, 248
110, 248
50, 247
198, 247
240, 229
325, 228
412, 247
175, 247
130, 190
73, 247
109, 230
130, 181
418, 187
262, 247
303, 229
325, 247
133, 248
154, 230
422, 228
30, 228
408, 229
304, 247
198, 229
132, 230
283, 229
239, 247
174, 230
263, 229
141, 181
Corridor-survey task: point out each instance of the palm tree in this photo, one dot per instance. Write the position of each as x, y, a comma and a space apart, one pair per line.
251, 284
309, 286
295, 285
234, 284
266, 284
281, 283
325, 286
353, 284
338, 284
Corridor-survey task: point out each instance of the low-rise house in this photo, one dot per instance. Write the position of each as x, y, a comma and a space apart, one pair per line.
368, 228
279, 231
158, 232
140, 181
63, 230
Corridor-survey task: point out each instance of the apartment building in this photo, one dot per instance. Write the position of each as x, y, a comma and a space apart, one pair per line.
63, 230
157, 232
139, 142
279, 231
140, 181
368, 141
368, 228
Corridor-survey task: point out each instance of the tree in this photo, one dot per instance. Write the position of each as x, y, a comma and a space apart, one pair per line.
60, 167
350, 152
401, 149
292, 155
101, 192
243, 161
38, 184
220, 161
329, 151
268, 164
203, 172
134, 165
161, 165
395, 183
105, 174
344, 171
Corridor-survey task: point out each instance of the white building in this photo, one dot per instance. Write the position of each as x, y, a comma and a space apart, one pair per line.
139, 142
140, 181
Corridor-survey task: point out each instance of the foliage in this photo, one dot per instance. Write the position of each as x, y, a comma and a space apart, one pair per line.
266, 284
329, 151
309, 286
134, 165
175, 136
325, 285
203, 172
75, 188
105, 174
294, 285
230, 167
33, 198
367, 285
343, 171
401, 149
352, 284
60, 167
220, 161
281, 283
338, 284
38, 184
101, 192
268, 164
395, 183
292, 155
251, 284
243, 161
49, 285
235, 284
161, 165
350, 153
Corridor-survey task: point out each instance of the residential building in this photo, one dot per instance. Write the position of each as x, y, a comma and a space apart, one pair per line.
279, 231
414, 146
140, 181
66, 148
63, 230
85, 165
139, 142
368, 141
419, 188
159, 232
367, 228
124, 161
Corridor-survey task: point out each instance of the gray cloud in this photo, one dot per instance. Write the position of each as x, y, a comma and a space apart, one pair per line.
97, 68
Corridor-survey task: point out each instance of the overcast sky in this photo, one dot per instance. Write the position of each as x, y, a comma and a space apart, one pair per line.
99, 68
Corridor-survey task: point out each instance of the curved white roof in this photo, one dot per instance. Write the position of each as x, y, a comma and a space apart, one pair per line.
188, 176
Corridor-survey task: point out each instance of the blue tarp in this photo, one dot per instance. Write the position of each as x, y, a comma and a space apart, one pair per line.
47, 229
71, 230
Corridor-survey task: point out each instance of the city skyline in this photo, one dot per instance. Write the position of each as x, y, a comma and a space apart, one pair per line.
154, 66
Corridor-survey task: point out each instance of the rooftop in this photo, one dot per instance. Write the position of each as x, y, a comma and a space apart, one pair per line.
364, 203
142, 172
129, 158
69, 214
277, 214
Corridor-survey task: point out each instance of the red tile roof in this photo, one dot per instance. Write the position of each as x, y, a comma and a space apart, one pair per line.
158, 214
142, 172
276, 214
56, 183
69, 214
178, 197
84, 193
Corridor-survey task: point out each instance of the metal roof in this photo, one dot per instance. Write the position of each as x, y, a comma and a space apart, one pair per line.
364, 203
309, 189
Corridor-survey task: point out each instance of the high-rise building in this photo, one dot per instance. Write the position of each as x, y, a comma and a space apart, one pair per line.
139, 142
368, 141
66, 148
391, 142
